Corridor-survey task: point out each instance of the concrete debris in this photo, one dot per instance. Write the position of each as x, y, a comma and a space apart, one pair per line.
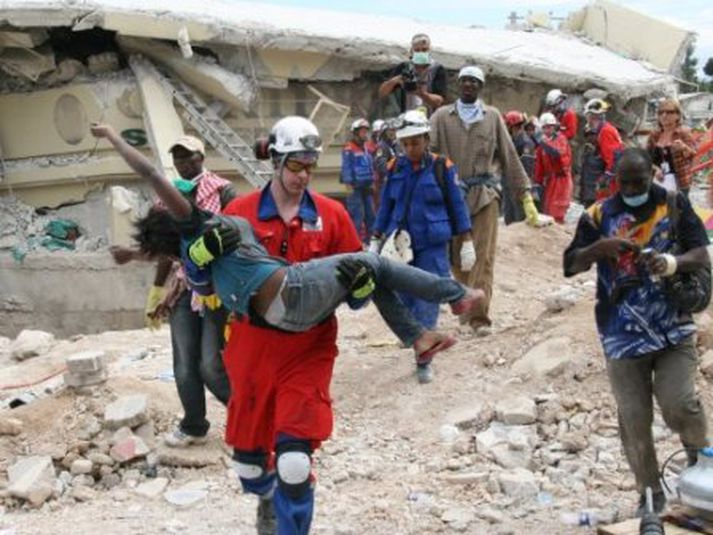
706, 364
187, 457
549, 358
519, 483
100, 459
32, 479
86, 362
129, 411
185, 497
31, 343
468, 478
516, 411
152, 489
86, 369
83, 494
562, 299
458, 518
10, 426
128, 449
81, 466
103, 63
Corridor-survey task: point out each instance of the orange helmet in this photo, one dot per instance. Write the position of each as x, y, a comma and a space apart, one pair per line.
514, 118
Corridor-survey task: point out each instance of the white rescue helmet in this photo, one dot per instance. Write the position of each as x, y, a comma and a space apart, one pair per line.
378, 125
554, 96
359, 123
596, 106
548, 119
412, 123
294, 134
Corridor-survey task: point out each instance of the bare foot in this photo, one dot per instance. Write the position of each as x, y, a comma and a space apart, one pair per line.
467, 303
430, 343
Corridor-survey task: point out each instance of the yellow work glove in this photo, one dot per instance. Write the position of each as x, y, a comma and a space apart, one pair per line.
156, 295
212, 301
531, 214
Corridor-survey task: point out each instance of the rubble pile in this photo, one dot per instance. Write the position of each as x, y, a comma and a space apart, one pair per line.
517, 429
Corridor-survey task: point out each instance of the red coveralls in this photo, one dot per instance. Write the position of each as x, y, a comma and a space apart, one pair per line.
568, 123
609, 144
553, 171
280, 381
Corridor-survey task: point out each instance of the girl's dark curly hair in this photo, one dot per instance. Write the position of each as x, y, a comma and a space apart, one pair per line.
158, 234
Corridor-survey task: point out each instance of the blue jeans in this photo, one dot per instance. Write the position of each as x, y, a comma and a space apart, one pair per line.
360, 205
197, 343
313, 293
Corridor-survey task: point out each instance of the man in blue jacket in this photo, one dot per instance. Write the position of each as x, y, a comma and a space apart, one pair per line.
358, 175
421, 195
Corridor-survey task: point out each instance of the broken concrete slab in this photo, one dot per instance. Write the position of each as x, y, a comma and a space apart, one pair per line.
32, 479
152, 489
549, 358
86, 362
129, 411
128, 449
30, 343
188, 457
518, 483
518, 410
185, 497
82, 379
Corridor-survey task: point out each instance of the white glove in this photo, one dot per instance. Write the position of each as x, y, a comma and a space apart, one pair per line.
467, 256
374, 245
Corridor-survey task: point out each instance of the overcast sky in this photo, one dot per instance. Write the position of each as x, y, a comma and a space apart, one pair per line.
695, 15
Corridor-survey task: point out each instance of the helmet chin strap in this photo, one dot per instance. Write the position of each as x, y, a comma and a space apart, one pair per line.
280, 171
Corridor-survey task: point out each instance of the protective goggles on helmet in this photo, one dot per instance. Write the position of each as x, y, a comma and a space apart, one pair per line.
397, 123
311, 142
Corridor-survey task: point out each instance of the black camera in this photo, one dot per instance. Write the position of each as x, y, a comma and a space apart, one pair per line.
410, 77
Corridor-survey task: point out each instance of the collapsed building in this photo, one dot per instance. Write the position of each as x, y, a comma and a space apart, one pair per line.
157, 71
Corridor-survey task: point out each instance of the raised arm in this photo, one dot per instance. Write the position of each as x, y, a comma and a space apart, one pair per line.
176, 203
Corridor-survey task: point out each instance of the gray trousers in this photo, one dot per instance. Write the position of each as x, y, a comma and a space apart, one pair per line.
312, 293
669, 375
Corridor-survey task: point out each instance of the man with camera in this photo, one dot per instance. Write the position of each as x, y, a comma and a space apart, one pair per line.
653, 271
419, 82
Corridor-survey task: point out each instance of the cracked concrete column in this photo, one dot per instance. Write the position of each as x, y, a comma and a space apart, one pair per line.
163, 125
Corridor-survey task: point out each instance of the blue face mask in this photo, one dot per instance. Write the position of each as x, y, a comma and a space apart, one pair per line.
635, 200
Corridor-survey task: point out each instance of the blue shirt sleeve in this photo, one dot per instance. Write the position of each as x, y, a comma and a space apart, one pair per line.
459, 209
347, 174
586, 234
386, 207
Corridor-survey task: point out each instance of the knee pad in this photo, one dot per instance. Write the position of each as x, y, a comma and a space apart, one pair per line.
294, 466
251, 468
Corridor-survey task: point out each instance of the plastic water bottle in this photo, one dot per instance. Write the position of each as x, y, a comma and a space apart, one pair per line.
583, 518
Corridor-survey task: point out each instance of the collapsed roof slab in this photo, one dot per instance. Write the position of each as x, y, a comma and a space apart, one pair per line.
212, 79
377, 42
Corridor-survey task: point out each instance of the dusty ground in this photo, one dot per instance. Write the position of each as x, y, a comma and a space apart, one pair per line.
387, 468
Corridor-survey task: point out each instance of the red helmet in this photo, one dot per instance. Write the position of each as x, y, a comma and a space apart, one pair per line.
514, 118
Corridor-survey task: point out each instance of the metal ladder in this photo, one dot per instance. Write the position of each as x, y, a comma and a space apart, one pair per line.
216, 131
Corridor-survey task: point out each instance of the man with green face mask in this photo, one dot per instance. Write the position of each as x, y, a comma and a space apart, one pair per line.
417, 83
196, 331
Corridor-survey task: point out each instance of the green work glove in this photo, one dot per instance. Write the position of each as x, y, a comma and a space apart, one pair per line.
531, 214
357, 277
213, 243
